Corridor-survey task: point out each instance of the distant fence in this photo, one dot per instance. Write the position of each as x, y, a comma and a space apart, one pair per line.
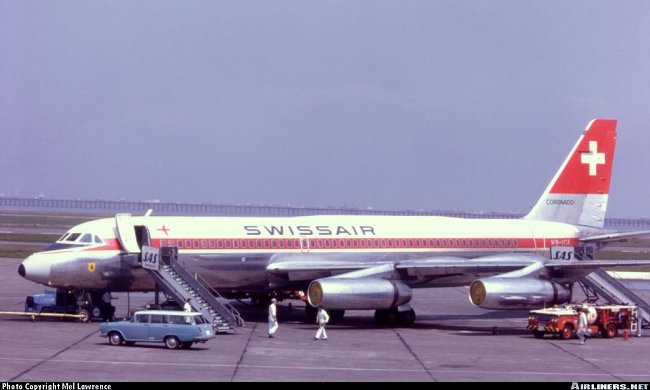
170, 208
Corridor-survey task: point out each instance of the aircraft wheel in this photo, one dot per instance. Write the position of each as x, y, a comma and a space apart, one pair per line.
407, 317
381, 317
392, 316
336, 316
310, 313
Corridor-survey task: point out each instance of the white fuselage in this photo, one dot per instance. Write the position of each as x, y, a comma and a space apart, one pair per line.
233, 253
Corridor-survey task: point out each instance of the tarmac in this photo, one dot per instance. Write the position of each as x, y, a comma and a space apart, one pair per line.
450, 341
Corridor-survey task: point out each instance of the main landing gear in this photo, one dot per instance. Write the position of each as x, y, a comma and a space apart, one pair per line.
397, 316
402, 315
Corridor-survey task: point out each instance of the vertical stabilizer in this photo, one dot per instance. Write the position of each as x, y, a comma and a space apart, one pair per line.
578, 192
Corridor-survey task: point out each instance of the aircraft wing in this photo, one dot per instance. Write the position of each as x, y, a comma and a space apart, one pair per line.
299, 268
624, 241
307, 268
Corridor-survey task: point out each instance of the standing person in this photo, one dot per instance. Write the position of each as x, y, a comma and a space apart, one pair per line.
322, 318
583, 325
107, 307
188, 305
273, 318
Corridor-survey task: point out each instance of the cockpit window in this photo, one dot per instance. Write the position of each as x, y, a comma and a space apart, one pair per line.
63, 237
98, 240
87, 238
73, 237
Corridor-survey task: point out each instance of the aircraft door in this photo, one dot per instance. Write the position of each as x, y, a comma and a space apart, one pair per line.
126, 233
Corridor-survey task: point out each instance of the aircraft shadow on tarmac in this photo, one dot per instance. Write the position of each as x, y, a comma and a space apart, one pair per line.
461, 323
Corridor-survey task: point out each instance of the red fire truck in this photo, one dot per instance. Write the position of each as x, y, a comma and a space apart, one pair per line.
563, 320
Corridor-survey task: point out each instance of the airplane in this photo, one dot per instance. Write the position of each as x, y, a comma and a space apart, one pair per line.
368, 262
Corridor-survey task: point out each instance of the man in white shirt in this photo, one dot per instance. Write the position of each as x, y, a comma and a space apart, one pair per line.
322, 318
583, 325
273, 318
188, 305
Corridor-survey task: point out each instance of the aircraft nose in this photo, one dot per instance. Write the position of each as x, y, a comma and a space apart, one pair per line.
36, 269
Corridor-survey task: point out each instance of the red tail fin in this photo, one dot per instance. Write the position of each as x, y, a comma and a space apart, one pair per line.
579, 190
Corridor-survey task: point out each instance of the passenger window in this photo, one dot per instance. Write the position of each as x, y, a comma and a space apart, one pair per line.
142, 318
211, 243
176, 320
204, 244
156, 319
163, 243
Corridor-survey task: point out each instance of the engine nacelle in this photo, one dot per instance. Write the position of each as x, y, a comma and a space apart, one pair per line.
517, 293
358, 293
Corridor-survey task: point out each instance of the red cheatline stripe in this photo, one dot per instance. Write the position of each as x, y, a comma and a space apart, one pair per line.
362, 243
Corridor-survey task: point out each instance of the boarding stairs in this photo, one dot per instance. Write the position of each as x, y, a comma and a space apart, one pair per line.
600, 284
179, 282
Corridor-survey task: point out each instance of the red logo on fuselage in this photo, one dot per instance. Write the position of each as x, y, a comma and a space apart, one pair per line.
164, 229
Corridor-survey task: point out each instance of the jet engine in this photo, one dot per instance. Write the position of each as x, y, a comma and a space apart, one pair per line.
512, 293
358, 293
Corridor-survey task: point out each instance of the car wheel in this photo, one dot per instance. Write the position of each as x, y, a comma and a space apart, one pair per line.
115, 338
610, 331
84, 315
97, 312
567, 332
172, 342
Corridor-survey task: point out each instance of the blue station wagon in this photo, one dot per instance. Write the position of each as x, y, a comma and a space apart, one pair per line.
177, 329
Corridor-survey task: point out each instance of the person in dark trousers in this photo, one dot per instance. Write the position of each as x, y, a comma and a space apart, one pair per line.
107, 308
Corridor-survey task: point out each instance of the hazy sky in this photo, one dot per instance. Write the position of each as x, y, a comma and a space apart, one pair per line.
468, 105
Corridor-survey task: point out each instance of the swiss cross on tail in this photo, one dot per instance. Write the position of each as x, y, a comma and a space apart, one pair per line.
592, 158
579, 190
589, 166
